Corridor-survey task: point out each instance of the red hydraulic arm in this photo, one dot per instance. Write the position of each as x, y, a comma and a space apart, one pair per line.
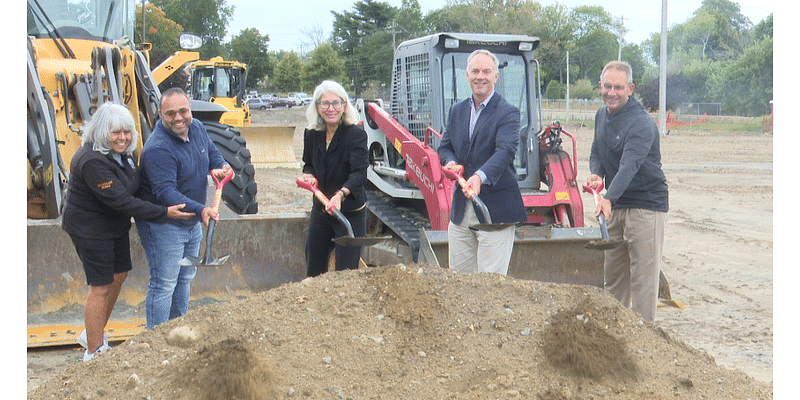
423, 167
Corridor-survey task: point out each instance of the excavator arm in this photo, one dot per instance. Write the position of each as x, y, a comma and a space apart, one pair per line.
172, 64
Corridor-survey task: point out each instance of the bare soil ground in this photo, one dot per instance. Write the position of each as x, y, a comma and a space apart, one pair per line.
417, 331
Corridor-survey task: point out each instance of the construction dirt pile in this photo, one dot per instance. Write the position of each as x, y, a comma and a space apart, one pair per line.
407, 332
420, 332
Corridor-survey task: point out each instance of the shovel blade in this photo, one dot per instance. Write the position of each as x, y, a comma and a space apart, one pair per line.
490, 227
191, 261
215, 262
360, 241
604, 244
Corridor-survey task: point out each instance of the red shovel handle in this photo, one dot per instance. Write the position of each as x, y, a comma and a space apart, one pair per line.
457, 175
595, 191
218, 190
319, 195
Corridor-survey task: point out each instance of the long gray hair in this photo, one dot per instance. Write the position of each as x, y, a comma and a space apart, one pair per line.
110, 117
350, 115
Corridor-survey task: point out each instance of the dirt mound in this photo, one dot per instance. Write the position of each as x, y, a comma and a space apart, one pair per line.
413, 332
573, 342
226, 370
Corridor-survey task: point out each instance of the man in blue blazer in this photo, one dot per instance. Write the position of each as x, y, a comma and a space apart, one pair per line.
482, 136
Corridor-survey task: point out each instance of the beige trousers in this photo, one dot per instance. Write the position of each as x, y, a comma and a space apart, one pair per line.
478, 251
631, 272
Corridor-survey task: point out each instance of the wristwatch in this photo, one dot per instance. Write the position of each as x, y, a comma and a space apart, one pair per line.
343, 194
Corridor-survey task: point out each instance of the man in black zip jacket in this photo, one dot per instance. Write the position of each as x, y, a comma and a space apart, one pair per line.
626, 154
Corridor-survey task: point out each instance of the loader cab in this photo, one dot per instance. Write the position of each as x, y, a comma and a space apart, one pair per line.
430, 76
223, 83
100, 20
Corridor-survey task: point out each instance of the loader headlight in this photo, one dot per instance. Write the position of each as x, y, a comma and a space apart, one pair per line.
190, 42
525, 46
450, 43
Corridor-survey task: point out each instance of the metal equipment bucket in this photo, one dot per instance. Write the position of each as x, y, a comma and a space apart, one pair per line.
265, 252
270, 145
540, 253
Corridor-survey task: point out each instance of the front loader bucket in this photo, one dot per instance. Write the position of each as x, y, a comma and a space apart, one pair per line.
543, 254
270, 145
265, 252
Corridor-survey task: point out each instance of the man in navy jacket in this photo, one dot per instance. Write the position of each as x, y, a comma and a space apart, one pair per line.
482, 136
175, 163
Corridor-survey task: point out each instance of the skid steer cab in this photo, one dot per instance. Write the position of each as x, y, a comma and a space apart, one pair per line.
410, 196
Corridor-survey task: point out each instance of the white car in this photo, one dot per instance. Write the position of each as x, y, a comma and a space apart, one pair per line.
300, 99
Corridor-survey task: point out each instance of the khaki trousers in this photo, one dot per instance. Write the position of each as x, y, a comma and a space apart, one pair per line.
632, 271
478, 251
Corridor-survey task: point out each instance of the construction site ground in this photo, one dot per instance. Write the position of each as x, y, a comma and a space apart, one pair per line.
418, 331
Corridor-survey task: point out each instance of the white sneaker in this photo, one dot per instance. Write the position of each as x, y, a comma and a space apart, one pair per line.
102, 349
85, 343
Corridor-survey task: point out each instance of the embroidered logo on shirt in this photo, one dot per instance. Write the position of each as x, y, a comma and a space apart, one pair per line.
105, 185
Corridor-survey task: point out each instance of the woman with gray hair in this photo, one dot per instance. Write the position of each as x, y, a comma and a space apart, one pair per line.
335, 160
97, 214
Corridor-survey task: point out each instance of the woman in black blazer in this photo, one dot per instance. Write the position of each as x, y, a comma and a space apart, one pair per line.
335, 159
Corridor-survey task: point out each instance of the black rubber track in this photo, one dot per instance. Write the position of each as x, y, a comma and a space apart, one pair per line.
240, 193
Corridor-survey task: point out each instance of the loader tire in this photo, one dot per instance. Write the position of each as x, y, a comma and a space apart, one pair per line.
240, 193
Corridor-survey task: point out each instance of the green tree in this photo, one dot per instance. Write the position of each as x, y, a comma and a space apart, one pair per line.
363, 37
594, 42
745, 85
161, 32
287, 73
323, 63
677, 92
555, 90
205, 18
583, 89
250, 47
408, 22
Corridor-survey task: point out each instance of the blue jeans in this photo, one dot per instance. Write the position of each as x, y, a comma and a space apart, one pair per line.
170, 284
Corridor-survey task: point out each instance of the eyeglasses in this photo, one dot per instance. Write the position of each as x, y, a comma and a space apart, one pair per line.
327, 104
617, 88
173, 113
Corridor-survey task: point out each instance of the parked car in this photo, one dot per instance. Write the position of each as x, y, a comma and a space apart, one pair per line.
300, 98
258, 103
282, 102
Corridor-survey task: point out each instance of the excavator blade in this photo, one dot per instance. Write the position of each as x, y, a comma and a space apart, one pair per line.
557, 255
263, 252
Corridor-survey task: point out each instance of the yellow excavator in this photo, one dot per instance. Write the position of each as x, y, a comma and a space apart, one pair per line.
223, 82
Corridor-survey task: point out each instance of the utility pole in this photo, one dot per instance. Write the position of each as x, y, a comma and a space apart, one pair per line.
621, 36
143, 24
662, 76
567, 116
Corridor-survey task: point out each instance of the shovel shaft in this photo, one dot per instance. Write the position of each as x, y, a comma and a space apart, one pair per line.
603, 227
209, 237
218, 191
208, 259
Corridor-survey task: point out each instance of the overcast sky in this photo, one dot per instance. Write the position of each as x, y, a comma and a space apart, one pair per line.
286, 23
